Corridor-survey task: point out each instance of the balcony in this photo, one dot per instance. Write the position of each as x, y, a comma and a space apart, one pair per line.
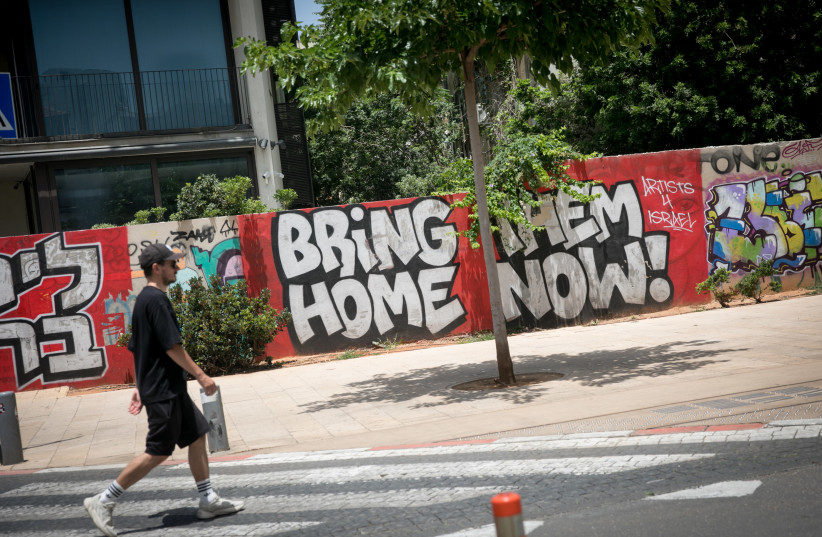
78, 105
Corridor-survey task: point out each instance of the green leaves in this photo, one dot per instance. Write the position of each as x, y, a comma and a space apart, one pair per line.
527, 162
223, 329
209, 196
383, 151
405, 46
710, 78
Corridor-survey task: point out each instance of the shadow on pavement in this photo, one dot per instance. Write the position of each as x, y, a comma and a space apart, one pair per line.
595, 369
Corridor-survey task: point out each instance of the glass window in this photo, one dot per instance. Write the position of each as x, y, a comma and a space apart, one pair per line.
174, 175
181, 51
104, 194
84, 62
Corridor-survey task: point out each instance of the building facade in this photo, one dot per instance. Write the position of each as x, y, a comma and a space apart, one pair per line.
111, 106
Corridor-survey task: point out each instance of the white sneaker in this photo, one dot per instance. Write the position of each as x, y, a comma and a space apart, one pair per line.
101, 514
218, 507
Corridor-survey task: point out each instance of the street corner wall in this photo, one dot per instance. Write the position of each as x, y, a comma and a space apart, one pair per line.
638, 246
60, 310
764, 202
369, 272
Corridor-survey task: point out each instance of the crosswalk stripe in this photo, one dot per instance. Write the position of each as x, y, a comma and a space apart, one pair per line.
726, 489
202, 530
519, 444
378, 472
491, 531
523, 445
292, 503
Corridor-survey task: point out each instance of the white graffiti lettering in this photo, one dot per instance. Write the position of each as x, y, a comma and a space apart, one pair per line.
66, 325
606, 253
338, 265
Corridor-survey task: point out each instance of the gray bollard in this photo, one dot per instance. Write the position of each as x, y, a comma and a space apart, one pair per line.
11, 447
213, 411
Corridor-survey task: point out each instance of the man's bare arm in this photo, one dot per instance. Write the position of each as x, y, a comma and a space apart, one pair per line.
181, 357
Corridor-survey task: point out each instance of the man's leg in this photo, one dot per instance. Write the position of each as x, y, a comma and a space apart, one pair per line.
211, 505
101, 507
160, 439
138, 468
198, 459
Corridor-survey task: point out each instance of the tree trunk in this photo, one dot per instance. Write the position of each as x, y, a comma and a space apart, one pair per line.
504, 363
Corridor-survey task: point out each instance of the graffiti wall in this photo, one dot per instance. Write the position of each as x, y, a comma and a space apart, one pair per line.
55, 324
764, 202
357, 274
353, 275
623, 252
211, 247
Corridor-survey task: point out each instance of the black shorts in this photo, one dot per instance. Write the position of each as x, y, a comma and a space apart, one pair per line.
173, 421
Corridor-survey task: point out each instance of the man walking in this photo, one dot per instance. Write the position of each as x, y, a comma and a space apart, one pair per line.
161, 364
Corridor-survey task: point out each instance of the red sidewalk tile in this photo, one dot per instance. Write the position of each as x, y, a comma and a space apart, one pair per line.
736, 427
671, 430
434, 444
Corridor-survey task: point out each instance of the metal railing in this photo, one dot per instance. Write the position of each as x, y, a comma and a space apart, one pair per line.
70, 105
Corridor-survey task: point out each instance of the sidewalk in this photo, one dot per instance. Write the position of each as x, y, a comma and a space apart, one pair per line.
738, 361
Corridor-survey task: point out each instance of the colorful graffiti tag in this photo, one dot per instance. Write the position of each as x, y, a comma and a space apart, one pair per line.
769, 218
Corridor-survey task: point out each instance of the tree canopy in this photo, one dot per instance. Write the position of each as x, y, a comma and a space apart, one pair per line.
368, 47
719, 73
383, 151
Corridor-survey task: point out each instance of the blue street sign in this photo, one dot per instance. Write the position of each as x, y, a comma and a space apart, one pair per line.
8, 127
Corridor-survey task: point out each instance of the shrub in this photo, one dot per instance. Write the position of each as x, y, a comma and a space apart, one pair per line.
285, 197
208, 196
147, 216
716, 285
751, 284
223, 328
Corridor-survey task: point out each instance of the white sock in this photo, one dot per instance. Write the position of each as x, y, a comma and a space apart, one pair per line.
207, 494
112, 493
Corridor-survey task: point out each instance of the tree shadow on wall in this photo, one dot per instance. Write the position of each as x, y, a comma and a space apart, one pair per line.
594, 369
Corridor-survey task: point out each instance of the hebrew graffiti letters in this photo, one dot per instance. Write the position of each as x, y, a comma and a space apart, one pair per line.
777, 218
58, 344
83, 263
21, 338
80, 353
356, 273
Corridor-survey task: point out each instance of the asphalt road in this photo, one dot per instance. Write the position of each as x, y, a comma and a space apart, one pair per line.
591, 485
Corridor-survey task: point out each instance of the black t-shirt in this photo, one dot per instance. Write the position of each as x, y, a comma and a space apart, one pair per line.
154, 330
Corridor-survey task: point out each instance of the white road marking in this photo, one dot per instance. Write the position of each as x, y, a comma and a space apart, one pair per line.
530, 443
491, 531
201, 529
380, 472
268, 504
726, 489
